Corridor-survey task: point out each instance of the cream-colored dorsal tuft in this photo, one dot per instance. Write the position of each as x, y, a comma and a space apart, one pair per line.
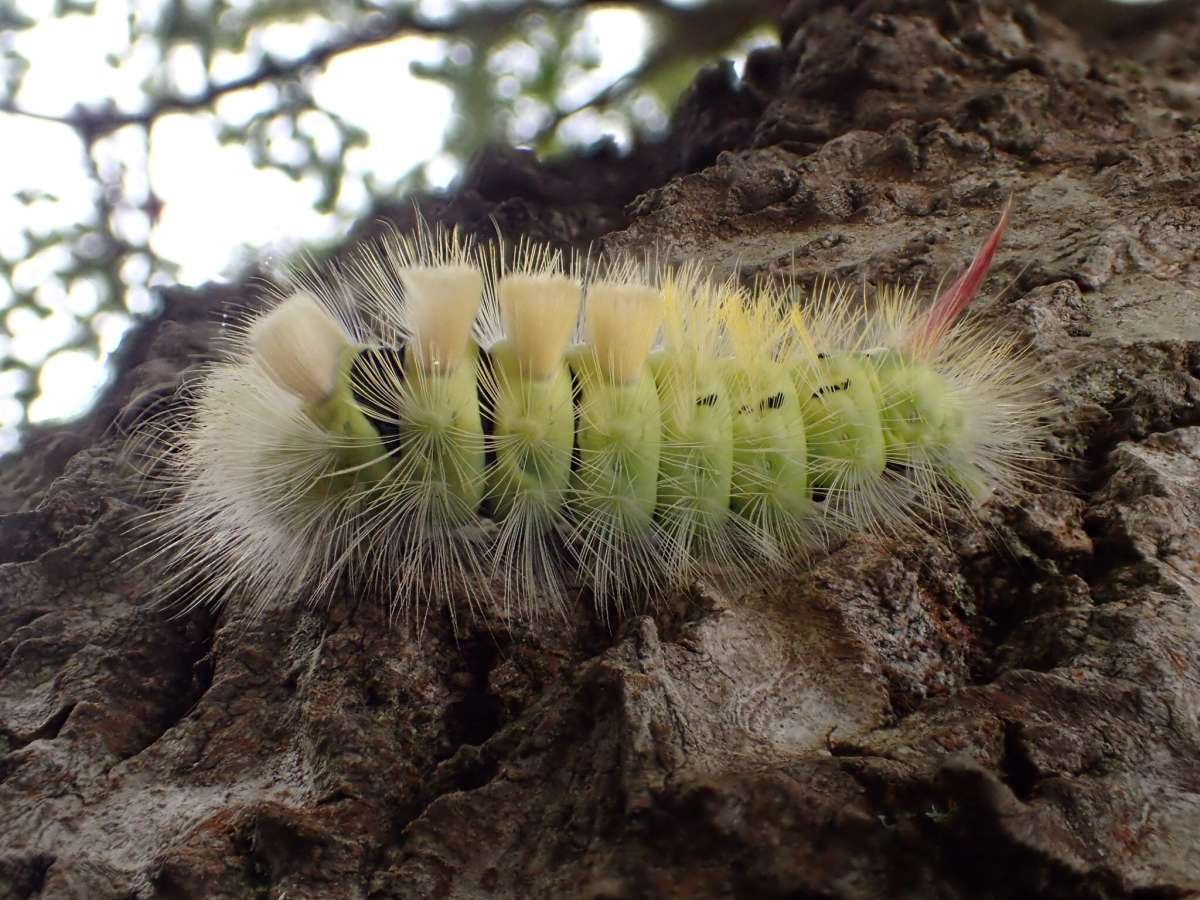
622, 322
539, 313
299, 346
440, 307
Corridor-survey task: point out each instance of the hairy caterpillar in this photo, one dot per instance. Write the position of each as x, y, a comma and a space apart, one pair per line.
433, 419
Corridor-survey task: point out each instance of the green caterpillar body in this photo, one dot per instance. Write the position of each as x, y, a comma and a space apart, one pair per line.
618, 440
770, 486
665, 444
692, 427
703, 453
433, 426
532, 437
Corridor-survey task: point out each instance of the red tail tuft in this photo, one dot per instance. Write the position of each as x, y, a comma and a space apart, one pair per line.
957, 297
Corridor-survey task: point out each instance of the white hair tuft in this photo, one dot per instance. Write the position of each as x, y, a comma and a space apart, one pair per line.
299, 345
622, 322
441, 303
539, 313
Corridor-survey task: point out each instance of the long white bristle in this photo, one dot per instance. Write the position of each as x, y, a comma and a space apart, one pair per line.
539, 313
440, 308
622, 322
299, 345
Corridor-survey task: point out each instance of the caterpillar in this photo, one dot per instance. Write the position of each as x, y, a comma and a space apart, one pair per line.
438, 420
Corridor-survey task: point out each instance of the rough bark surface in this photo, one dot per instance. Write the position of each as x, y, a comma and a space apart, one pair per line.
1012, 710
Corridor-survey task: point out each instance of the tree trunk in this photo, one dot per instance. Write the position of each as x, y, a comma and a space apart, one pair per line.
1010, 710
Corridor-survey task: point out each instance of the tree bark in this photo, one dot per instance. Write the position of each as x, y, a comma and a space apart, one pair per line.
1009, 710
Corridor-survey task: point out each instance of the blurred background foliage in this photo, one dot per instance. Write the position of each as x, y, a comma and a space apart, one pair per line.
115, 118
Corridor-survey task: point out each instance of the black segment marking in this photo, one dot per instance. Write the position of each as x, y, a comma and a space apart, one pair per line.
822, 356
485, 375
773, 402
371, 369
709, 400
831, 389
485, 381
576, 404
